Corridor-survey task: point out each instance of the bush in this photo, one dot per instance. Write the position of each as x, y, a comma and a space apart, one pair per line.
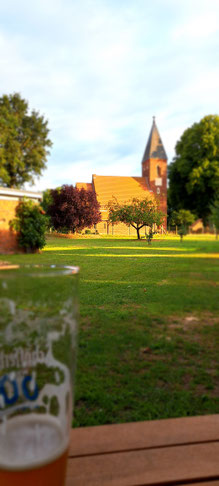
30, 224
72, 208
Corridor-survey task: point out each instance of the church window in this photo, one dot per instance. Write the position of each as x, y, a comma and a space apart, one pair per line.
158, 171
158, 190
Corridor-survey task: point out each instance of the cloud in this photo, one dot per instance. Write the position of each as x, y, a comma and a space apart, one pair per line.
99, 70
199, 22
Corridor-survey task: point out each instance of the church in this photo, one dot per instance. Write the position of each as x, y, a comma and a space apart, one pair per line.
153, 182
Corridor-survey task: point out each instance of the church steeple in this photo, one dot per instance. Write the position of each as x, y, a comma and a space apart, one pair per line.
154, 148
154, 167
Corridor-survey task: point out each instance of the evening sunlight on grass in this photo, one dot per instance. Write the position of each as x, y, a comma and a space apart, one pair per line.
148, 338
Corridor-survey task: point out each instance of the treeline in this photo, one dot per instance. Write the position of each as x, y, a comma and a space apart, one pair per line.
194, 174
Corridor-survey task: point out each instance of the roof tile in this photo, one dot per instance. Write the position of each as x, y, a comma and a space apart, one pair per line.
122, 188
84, 185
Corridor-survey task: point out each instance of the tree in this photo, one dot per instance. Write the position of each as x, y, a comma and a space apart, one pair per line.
47, 199
73, 209
137, 213
214, 217
46, 202
183, 219
23, 142
30, 224
194, 172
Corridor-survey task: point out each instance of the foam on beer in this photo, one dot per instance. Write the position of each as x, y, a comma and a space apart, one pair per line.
30, 441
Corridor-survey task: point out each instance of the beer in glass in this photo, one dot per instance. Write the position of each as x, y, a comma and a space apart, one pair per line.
38, 329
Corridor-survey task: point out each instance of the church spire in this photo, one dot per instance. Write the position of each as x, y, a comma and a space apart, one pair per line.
154, 167
154, 148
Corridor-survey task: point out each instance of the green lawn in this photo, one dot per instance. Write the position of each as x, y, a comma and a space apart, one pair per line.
148, 340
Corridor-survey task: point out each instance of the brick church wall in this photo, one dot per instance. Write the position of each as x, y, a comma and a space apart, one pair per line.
8, 240
149, 170
119, 229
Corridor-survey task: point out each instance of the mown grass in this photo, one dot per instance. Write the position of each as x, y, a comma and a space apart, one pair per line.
148, 340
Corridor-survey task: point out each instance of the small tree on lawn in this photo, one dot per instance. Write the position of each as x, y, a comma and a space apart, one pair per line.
73, 209
183, 219
137, 213
215, 216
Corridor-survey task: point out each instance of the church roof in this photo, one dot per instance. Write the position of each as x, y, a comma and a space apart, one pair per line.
123, 188
154, 148
85, 185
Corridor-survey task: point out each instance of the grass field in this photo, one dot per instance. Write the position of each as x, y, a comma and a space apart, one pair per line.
148, 340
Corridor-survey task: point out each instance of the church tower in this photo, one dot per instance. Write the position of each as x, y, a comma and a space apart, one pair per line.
154, 167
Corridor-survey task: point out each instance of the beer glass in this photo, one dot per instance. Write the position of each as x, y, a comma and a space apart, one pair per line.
38, 329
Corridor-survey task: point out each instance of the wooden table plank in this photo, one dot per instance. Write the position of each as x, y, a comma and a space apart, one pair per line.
156, 466
205, 483
141, 435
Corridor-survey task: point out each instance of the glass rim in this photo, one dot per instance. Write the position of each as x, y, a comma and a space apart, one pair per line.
36, 270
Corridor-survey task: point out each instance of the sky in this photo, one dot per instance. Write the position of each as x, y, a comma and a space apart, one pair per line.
99, 70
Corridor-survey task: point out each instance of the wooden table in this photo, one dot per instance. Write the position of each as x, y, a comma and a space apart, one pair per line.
173, 451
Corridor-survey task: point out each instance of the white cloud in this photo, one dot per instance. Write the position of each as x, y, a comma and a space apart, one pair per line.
99, 70
198, 27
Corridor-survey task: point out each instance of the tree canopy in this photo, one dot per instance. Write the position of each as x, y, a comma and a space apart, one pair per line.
137, 213
194, 172
183, 219
24, 142
73, 209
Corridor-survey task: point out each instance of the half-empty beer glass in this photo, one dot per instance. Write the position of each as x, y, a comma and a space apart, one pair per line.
38, 328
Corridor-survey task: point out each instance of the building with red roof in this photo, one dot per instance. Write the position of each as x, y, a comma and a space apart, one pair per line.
152, 183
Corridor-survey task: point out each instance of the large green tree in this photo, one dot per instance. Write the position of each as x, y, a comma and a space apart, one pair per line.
24, 142
194, 172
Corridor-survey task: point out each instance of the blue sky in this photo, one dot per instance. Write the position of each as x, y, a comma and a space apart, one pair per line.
98, 70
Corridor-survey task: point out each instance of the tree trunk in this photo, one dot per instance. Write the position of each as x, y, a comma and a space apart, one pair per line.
138, 233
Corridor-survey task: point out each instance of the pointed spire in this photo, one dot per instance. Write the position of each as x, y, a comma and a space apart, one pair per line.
154, 148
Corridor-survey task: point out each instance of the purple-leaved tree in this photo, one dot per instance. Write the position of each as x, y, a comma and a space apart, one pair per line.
73, 209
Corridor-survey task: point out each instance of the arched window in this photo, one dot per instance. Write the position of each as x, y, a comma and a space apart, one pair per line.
158, 171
